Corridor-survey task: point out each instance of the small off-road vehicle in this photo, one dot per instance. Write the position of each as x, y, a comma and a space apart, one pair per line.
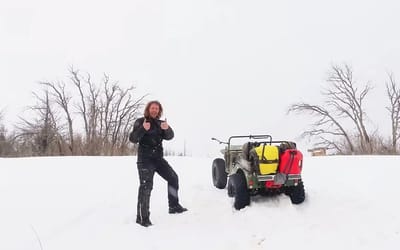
259, 166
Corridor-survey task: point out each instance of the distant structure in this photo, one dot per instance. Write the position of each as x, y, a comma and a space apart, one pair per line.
317, 151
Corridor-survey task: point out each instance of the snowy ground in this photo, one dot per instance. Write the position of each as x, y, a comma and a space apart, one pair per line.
84, 203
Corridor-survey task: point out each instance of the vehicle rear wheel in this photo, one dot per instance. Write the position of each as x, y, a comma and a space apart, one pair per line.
297, 194
219, 175
288, 190
240, 192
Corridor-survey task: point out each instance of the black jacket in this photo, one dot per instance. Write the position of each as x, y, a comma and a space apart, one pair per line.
150, 141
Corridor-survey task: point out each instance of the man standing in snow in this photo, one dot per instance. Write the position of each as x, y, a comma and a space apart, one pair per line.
149, 131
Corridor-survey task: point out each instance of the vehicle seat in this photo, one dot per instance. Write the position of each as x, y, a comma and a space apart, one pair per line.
249, 154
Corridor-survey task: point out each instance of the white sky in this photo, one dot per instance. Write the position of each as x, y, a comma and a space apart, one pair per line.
219, 67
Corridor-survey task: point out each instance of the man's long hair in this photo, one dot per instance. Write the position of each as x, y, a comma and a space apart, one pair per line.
147, 109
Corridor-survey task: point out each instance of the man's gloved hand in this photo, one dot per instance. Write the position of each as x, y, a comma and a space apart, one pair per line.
146, 125
164, 125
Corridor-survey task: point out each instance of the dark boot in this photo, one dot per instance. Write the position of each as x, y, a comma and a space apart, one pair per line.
177, 209
143, 221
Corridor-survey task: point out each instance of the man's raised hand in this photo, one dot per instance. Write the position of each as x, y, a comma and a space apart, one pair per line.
164, 125
146, 125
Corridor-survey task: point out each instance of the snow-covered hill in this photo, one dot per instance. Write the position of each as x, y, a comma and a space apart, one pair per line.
84, 203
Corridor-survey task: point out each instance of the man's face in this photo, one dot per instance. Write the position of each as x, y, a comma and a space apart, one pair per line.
154, 110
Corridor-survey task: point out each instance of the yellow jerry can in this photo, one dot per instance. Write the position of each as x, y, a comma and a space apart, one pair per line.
269, 160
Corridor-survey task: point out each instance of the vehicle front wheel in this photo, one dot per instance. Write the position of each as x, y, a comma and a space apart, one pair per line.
240, 192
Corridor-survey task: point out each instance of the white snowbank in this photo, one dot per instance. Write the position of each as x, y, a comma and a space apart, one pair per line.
83, 203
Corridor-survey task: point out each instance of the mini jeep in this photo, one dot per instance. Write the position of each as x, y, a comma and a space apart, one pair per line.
259, 166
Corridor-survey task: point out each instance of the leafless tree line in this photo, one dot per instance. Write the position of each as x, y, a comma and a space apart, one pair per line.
340, 122
75, 117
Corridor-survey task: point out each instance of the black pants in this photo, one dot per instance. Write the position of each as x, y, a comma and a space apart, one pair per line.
146, 170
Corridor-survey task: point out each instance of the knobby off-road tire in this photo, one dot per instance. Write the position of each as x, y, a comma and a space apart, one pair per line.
219, 175
240, 192
297, 193
230, 188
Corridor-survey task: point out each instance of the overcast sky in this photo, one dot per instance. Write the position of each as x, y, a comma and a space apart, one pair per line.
219, 67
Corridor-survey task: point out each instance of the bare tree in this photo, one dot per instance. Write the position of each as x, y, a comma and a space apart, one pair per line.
2, 129
119, 110
42, 132
343, 104
107, 113
3, 136
393, 92
325, 128
88, 108
62, 98
107, 110
347, 100
76, 80
107, 107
